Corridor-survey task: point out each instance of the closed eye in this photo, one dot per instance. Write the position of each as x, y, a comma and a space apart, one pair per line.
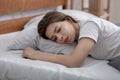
58, 29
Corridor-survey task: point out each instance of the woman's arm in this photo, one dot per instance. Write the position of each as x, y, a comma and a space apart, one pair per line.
72, 60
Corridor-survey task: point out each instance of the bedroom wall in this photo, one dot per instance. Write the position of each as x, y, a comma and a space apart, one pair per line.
114, 9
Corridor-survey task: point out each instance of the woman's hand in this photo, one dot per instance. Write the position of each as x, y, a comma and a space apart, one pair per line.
29, 53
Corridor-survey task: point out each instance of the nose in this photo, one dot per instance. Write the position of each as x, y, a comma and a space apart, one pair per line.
59, 37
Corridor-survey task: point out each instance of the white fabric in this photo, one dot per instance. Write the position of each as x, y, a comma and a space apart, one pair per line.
7, 38
78, 15
14, 67
105, 34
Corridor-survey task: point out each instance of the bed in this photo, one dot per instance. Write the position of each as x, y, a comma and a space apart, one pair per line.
14, 67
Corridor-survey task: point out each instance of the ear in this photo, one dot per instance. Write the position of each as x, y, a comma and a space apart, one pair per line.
68, 19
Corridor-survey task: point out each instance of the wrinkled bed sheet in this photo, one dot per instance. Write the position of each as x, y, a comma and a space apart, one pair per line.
14, 67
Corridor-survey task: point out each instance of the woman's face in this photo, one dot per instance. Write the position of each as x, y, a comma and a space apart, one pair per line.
61, 32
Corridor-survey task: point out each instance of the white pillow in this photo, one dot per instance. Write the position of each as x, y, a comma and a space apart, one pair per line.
24, 39
33, 22
77, 14
29, 36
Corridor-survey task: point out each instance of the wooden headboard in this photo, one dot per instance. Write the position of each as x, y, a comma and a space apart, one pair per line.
14, 6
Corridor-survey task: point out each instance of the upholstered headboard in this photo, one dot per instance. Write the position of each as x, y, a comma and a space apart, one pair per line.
14, 6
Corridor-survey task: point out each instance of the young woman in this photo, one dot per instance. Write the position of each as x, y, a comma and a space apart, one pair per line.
96, 37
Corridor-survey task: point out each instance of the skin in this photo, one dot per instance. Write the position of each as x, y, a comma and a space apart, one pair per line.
70, 30
63, 32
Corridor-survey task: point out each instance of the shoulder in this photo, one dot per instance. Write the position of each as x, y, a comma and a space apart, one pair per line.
89, 30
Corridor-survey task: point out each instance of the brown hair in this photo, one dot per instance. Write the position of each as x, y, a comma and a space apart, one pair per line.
49, 18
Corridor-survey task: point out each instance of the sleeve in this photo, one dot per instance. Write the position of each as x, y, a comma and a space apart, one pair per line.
89, 29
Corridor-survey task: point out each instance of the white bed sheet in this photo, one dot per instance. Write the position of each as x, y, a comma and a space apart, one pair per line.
14, 67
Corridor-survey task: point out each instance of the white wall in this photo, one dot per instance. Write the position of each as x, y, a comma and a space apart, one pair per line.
114, 9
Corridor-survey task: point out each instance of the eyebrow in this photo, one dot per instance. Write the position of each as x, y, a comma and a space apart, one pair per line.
55, 28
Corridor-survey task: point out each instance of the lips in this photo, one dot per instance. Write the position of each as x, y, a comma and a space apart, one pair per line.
66, 39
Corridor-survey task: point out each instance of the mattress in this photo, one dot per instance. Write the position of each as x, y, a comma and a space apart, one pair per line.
14, 67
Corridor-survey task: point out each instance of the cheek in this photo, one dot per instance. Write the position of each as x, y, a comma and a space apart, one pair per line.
72, 33
48, 33
70, 30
